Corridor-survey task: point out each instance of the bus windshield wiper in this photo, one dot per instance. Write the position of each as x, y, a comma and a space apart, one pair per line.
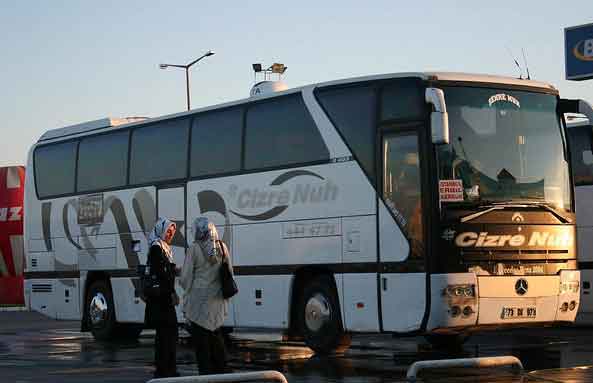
491, 206
488, 208
483, 207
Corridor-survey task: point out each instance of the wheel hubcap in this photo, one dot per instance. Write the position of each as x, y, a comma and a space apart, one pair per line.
317, 312
98, 310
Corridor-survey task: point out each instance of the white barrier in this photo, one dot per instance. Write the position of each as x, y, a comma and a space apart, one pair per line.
259, 376
485, 362
13, 308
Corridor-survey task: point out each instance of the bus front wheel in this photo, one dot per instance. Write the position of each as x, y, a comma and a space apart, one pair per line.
101, 310
319, 316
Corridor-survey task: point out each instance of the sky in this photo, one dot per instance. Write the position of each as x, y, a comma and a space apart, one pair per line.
67, 62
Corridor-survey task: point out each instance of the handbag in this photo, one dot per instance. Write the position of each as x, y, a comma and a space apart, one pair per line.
229, 286
149, 285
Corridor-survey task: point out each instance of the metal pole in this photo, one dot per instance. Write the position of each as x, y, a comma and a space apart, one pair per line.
257, 376
187, 85
187, 67
484, 362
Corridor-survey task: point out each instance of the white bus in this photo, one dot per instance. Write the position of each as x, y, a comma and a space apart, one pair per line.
414, 203
580, 139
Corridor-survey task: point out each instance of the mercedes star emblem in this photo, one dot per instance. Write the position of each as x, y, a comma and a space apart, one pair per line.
521, 286
518, 218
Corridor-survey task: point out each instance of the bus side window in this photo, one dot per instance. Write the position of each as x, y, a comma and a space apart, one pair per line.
352, 111
102, 161
159, 152
402, 100
280, 132
216, 143
54, 168
581, 155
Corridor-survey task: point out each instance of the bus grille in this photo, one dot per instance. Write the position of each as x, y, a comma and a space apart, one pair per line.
41, 288
520, 267
518, 254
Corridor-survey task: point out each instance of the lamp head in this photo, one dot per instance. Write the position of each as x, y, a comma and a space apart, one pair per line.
163, 66
209, 53
278, 68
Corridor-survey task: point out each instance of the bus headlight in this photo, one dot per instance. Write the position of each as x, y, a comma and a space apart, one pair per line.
460, 291
569, 287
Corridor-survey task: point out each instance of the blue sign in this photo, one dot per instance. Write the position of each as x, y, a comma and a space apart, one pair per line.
578, 51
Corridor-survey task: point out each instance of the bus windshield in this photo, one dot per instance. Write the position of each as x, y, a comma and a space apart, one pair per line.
505, 146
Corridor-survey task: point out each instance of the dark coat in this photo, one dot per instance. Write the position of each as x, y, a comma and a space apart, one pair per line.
160, 311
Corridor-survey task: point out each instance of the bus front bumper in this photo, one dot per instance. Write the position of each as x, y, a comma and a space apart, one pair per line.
521, 299
468, 300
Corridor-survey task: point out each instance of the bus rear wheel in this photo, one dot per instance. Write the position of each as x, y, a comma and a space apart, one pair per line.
319, 316
101, 310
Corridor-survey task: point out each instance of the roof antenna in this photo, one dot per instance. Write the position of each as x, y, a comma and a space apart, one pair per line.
526, 66
516, 63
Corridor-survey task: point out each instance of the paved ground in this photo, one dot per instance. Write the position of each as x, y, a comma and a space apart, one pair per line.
36, 349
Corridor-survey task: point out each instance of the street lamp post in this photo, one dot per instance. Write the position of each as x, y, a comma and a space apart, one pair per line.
186, 67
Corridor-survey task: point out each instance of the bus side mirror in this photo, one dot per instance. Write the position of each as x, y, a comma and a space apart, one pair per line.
576, 106
439, 119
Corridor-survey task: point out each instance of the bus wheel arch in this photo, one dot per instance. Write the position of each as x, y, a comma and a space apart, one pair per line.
91, 277
299, 280
99, 315
316, 311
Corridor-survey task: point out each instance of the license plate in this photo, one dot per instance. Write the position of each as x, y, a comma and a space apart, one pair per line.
518, 312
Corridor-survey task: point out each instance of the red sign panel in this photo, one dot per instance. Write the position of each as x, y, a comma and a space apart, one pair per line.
450, 190
12, 257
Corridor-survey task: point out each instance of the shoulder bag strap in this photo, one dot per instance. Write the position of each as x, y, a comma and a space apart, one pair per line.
222, 249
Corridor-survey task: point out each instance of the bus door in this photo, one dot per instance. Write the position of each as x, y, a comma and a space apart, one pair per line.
402, 273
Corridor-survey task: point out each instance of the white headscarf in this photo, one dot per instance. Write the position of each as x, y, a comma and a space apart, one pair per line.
206, 235
157, 236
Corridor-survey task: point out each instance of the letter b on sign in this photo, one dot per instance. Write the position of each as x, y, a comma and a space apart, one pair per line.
588, 48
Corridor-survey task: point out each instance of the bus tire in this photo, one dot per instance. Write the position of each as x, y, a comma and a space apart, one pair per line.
319, 314
100, 310
447, 341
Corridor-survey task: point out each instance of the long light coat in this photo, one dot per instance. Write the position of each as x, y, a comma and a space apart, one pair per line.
203, 303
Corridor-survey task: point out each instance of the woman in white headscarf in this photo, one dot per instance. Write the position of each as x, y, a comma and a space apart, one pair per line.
160, 308
203, 303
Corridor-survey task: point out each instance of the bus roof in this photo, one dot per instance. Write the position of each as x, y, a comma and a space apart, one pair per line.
88, 126
104, 123
452, 77
484, 78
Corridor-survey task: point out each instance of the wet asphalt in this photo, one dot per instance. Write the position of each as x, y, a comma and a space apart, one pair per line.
34, 348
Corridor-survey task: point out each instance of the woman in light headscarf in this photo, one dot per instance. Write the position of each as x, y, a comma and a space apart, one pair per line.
160, 308
203, 304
